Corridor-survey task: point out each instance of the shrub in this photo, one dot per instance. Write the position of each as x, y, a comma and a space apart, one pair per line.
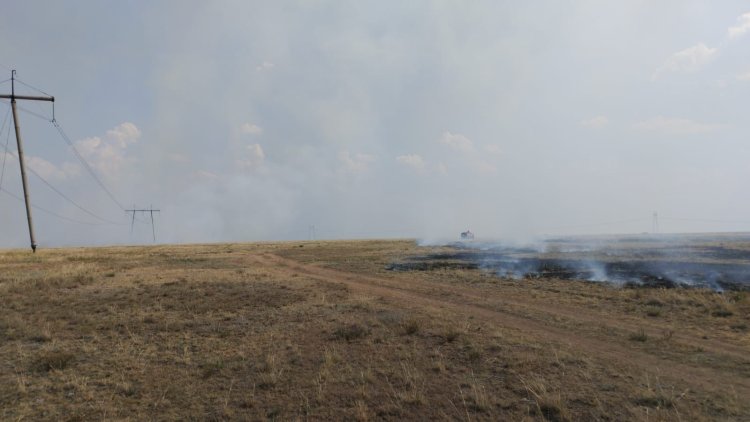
722, 313
411, 326
53, 359
639, 336
351, 332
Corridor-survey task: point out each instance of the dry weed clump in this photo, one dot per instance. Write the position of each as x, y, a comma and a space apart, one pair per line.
411, 326
478, 399
53, 359
656, 395
639, 336
352, 331
546, 402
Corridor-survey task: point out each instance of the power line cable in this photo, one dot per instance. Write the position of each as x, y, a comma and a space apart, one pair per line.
5, 151
706, 220
85, 163
78, 155
75, 204
44, 210
5, 120
609, 223
65, 197
36, 104
32, 87
26, 110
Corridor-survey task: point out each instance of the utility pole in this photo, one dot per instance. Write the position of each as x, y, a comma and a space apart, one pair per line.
151, 212
311, 232
13, 97
655, 223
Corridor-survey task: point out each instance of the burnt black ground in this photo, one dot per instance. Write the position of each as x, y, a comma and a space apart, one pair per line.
719, 262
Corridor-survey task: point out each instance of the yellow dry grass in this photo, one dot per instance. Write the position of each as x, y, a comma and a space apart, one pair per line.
321, 330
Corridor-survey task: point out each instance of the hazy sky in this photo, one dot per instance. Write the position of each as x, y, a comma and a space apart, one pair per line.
246, 120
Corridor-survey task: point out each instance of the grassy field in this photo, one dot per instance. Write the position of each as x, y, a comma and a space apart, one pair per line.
323, 330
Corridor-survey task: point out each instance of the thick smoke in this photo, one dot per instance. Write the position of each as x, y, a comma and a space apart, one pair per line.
248, 120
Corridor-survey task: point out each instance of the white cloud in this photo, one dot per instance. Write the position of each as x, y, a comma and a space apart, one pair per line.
251, 129
107, 154
457, 141
124, 134
264, 66
595, 122
742, 26
206, 175
254, 157
411, 160
359, 163
674, 126
743, 76
50, 171
687, 60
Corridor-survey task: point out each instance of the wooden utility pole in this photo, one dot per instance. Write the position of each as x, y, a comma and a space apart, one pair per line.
13, 97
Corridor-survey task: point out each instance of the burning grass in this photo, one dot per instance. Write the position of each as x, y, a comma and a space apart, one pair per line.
219, 332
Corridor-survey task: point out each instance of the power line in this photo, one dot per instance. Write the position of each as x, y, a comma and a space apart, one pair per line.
85, 163
707, 220
46, 97
70, 143
72, 201
44, 210
609, 223
32, 87
33, 113
78, 155
65, 197
5, 120
5, 153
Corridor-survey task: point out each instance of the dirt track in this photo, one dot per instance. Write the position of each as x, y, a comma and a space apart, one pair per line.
510, 312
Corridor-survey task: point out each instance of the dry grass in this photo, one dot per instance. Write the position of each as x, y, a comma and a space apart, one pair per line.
214, 332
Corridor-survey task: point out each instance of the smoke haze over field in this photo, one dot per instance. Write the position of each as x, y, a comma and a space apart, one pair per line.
245, 120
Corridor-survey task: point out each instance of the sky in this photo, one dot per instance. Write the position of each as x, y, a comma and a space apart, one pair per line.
251, 121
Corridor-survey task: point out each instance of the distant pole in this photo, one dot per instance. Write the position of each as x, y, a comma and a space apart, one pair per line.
655, 223
311, 232
151, 212
132, 222
153, 230
19, 143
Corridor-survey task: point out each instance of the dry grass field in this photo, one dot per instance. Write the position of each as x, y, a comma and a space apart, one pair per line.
323, 330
